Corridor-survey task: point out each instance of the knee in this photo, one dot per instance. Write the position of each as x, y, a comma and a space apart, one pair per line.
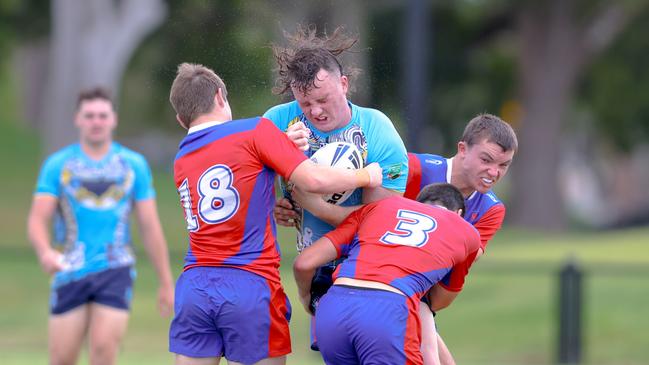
103, 352
62, 359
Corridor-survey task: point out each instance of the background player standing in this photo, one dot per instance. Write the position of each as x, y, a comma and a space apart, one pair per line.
90, 188
402, 248
229, 299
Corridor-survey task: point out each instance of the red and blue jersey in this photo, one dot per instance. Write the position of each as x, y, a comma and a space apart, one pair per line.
405, 244
484, 211
225, 177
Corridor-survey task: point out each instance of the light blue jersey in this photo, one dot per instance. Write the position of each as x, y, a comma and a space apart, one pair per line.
95, 199
374, 135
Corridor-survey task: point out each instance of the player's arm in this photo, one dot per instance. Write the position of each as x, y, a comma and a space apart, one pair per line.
330, 213
442, 294
277, 151
488, 225
440, 297
38, 231
315, 178
306, 263
146, 213
332, 245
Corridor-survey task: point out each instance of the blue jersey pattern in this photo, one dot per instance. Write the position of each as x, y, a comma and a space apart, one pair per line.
374, 135
95, 199
437, 169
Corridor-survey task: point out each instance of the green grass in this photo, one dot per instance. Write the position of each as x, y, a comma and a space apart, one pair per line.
506, 314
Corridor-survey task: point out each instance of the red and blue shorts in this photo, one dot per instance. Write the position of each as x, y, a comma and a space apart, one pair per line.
223, 311
367, 326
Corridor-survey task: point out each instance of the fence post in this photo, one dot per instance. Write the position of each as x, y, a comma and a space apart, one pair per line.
570, 313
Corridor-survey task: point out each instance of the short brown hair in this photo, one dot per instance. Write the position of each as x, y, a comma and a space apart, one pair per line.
443, 194
307, 53
193, 90
92, 94
491, 128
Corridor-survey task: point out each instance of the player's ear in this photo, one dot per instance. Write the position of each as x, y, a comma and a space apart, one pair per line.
219, 99
460, 212
345, 83
180, 121
461, 147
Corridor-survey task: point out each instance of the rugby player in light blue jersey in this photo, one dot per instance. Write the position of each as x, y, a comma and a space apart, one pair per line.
321, 114
88, 190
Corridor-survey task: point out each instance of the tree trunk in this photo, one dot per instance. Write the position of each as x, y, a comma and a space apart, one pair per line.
91, 44
549, 55
553, 49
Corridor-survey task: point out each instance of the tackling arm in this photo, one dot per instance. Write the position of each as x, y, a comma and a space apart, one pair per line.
335, 214
314, 256
440, 298
324, 179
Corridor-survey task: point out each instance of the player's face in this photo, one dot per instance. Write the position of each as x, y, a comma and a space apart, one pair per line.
483, 164
96, 121
325, 105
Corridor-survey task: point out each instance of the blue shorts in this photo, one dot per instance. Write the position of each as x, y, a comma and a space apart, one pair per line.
112, 287
222, 311
367, 326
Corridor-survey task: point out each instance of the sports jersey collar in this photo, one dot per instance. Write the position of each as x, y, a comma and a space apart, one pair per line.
111, 149
449, 169
202, 126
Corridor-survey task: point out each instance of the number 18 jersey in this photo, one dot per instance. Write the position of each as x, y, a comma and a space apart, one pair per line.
225, 175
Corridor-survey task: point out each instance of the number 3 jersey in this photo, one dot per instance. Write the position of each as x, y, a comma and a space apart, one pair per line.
95, 199
225, 177
371, 132
405, 244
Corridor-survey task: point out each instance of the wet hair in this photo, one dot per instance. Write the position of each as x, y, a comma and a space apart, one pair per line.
307, 53
442, 194
493, 129
92, 94
193, 90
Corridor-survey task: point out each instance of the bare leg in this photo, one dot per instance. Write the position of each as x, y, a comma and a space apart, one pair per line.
280, 360
107, 329
429, 336
445, 356
66, 333
186, 360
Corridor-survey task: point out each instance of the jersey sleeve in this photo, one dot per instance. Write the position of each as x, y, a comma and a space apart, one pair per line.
279, 115
344, 236
413, 183
275, 149
454, 280
388, 150
49, 176
490, 223
143, 186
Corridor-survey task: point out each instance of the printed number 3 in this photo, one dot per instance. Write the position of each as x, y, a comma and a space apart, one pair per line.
411, 230
219, 200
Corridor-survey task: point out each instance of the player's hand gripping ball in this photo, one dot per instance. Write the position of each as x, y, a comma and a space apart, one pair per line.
339, 154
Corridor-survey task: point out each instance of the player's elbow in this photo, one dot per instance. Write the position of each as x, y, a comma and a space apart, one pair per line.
440, 302
315, 182
439, 305
302, 264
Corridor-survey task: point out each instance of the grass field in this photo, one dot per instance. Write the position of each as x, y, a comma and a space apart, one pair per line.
506, 315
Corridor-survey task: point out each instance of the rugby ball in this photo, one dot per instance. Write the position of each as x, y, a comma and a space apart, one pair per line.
342, 155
